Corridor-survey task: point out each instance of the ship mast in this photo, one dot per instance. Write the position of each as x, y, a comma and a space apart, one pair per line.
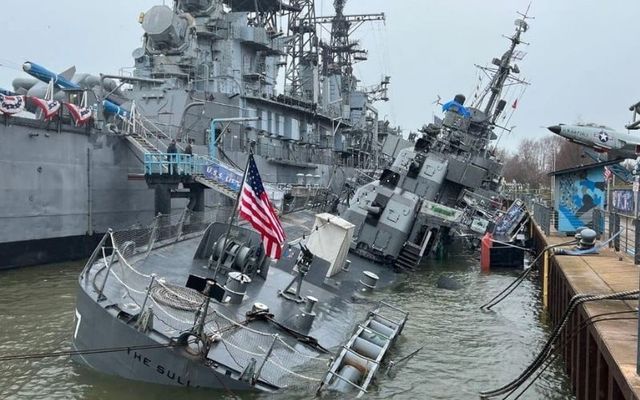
502, 73
342, 52
301, 77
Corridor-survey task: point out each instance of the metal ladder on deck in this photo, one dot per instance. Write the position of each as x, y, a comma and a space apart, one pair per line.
360, 358
409, 256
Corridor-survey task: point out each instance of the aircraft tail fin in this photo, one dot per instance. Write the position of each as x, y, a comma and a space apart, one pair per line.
68, 73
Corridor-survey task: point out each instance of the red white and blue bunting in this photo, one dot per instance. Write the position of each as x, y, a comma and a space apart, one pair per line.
80, 114
49, 108
10, 105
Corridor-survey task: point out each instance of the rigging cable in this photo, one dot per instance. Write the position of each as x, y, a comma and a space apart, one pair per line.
513, 285
488, 305
585, 324
66, 353
576, 301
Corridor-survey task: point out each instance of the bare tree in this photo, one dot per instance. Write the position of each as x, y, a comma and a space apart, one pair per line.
536, 158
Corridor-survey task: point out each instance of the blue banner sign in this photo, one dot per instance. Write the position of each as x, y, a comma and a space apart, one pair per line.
223, 175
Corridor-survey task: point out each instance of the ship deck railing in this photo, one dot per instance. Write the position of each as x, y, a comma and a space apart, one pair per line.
122, 267
193, 165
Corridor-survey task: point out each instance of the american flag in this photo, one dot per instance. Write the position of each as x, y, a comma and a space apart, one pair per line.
256, 208
607, 174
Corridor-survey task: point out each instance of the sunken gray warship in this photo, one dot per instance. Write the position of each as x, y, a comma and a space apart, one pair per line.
194, 305
447, 184
206, 73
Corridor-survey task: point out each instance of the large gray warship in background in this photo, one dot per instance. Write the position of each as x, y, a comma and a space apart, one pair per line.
444, 186
207, 73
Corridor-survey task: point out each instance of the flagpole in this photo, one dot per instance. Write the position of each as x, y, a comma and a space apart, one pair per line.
233, 214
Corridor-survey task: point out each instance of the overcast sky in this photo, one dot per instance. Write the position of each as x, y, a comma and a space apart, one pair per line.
582, 62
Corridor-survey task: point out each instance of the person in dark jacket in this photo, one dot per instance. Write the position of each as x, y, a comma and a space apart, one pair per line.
172, 150
188, 150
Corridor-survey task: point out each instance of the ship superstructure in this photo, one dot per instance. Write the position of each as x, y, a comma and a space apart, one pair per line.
446, 184
223, 75
220, 60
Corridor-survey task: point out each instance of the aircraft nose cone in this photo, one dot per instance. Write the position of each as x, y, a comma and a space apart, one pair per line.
555, 129
26, 66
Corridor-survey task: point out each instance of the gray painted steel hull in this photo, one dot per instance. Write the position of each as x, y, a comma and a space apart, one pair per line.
67, 184
62, 190
165, 366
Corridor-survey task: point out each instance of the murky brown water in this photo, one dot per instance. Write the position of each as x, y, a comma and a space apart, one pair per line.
465, 350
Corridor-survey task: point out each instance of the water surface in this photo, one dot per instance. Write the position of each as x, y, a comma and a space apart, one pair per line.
464, 350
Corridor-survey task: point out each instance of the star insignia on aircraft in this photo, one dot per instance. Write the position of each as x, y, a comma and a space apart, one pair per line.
603, 137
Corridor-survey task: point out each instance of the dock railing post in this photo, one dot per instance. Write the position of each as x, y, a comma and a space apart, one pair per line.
153, 235
616, 228
611, 227
94, 255
636, 244
545, 280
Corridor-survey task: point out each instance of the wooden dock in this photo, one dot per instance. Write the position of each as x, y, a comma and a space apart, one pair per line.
599, 357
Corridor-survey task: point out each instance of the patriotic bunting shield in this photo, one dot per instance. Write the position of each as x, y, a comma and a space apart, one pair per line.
256, 208
11, 104
49, 107
80, 114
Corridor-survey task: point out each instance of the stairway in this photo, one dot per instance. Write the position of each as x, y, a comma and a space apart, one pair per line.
220, 188
139, 132
409, 257
142, 144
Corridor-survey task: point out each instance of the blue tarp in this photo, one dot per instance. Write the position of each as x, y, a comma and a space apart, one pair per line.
456, 107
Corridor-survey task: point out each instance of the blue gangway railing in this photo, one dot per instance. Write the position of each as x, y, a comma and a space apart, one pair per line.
187, 164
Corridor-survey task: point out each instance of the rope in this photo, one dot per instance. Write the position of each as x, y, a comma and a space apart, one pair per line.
513, 285
287, 370
241, 349
164, 310
65, 353
302, 354
590, 321
546, 350
124, 262
126, 286
239, 325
